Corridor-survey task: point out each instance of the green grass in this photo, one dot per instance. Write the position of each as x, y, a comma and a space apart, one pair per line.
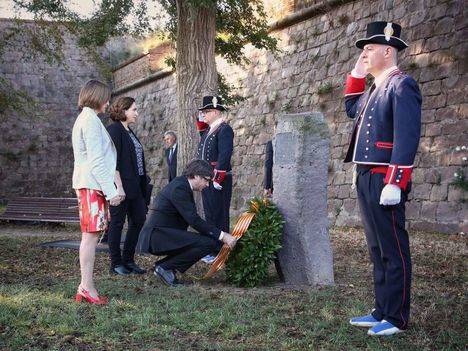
37, 311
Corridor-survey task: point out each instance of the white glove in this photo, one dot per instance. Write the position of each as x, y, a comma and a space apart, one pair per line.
391, 195
359, 70
201, 117
217, 186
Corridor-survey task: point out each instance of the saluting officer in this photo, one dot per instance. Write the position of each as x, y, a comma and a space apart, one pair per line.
383, 145
215, 147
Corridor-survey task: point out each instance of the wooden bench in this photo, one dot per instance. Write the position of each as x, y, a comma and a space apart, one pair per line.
42, 209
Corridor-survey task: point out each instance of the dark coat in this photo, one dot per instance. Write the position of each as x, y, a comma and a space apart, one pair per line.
127, 162
387, 123
268, 179
216, 148
171, 164
169, 216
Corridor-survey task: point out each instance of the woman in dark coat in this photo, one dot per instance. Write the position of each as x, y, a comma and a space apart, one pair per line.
131, 172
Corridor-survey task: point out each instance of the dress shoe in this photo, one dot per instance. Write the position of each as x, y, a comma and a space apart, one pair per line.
133, 268
120, 270
168, 277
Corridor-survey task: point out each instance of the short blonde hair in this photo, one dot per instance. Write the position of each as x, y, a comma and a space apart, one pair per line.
94, 94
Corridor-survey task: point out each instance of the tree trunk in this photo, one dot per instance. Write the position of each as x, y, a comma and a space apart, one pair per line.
195, 70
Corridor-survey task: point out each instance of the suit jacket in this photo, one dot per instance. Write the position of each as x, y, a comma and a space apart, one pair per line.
268, 180
171, 164
169, 216
133, 184
94, 154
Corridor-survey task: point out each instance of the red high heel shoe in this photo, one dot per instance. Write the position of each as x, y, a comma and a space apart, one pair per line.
83, 295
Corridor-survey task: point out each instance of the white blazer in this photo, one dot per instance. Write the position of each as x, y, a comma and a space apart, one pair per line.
94, 153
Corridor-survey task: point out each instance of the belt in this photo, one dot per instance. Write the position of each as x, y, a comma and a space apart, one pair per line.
381, 169
213, 164
372, 169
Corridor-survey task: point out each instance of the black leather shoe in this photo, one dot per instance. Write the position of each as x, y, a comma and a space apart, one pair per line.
168, 277
120, 270
133, 268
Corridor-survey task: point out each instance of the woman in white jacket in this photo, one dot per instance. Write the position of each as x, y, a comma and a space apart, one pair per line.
94, 179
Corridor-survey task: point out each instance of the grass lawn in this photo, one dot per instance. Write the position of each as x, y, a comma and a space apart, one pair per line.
37, 311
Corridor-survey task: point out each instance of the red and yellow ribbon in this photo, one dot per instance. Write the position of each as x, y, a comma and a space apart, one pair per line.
240, 229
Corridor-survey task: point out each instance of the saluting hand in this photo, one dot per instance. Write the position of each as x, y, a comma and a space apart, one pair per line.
360, 70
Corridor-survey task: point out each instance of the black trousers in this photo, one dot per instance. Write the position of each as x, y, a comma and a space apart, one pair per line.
135, 210
388, 244
183, 258
216, 204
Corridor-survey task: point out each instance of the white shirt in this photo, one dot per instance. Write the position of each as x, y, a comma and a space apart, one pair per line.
215, 125
172, 151
383, 76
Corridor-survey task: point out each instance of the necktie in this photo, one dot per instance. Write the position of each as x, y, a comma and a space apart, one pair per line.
171, 153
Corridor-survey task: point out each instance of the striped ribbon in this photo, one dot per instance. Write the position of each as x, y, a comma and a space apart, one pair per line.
240, 229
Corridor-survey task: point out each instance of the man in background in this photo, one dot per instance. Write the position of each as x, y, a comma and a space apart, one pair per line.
170, 143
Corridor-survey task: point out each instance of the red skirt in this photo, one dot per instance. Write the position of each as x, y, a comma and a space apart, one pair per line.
94, 210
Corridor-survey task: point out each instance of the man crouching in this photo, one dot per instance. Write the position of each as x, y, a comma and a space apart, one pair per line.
170, 214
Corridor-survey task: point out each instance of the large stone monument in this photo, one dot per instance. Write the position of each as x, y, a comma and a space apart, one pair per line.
300, 175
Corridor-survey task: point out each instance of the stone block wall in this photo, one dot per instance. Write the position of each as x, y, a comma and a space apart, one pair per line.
309, 75
36, 157
132, 70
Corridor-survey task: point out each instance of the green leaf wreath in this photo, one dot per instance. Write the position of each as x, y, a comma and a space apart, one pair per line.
248, 263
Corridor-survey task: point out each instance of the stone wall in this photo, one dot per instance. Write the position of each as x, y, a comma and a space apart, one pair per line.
36, 157
309, 74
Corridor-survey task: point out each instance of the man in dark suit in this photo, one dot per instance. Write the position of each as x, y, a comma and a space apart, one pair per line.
170, 214
170, 142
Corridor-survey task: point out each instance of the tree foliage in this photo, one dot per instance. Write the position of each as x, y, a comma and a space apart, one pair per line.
238, 22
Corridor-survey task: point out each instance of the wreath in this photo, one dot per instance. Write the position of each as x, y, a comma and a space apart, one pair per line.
248, 263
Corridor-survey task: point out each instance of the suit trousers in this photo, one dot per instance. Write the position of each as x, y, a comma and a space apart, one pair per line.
183, 258
389, 250
135, 210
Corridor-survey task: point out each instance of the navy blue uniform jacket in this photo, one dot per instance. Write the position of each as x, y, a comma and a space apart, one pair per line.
387, 125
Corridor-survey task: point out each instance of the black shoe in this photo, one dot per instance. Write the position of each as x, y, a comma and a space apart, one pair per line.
120, 270
168, 277
133, 268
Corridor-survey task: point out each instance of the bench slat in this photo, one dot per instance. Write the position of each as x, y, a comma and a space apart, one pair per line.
42, 209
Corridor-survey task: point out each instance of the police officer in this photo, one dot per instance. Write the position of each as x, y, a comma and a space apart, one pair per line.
215, 147
383, 145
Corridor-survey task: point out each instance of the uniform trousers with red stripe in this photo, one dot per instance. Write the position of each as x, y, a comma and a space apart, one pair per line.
388, 244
